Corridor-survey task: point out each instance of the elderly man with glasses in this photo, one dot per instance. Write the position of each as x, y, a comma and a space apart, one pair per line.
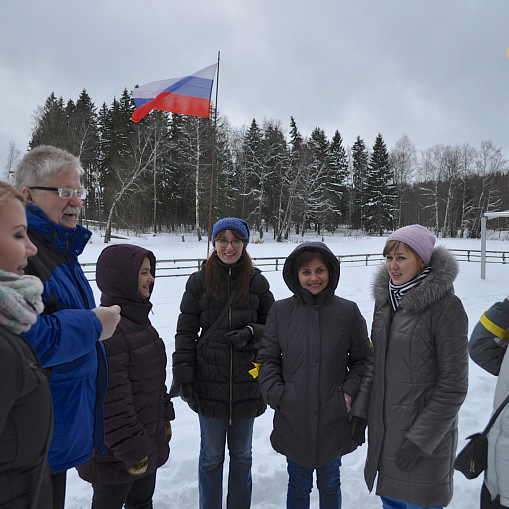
68, 334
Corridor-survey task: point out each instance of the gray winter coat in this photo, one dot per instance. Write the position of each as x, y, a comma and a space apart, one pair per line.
488, 349
414, 385
313, 351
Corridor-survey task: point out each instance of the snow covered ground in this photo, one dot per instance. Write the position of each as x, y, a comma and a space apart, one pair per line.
177, 485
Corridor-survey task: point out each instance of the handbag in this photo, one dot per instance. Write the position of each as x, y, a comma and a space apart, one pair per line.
175, 389
473, 458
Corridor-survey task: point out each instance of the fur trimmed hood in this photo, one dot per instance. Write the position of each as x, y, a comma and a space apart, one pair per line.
444, 269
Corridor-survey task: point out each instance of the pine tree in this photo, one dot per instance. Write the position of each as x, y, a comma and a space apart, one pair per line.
336, 192
379, 191
359, 169
255, 172
50, 124
276, 157
83, 142
295, 136
319, 204
292, 181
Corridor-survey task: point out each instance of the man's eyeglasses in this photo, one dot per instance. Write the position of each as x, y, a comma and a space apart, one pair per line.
234, 242
65, 192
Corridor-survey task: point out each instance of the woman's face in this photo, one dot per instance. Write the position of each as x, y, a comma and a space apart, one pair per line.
15, 246
145, 279
314, 277
403, 265
228, 247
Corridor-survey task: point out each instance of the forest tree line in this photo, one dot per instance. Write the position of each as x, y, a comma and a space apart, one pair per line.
156, 175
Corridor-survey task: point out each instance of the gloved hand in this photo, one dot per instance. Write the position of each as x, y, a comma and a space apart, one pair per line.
167, 428
407, 455
240, 338
138, 469
189, 394
358, 430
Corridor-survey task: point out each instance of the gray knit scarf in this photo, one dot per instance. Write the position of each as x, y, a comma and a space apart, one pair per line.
397, 292
20, 301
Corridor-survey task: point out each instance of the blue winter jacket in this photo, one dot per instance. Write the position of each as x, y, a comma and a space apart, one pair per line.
66, 338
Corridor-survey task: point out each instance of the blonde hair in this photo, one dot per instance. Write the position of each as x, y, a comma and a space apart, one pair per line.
393, 244
7, 191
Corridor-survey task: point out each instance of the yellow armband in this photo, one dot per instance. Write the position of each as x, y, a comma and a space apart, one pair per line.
493, 327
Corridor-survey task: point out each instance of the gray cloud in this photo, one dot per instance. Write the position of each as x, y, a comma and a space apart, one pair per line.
436, 71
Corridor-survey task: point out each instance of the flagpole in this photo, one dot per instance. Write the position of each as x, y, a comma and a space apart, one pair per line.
213, 158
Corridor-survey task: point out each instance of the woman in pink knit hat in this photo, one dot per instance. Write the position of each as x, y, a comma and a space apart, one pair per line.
416, 379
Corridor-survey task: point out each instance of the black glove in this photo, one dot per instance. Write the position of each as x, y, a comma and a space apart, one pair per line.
240, 338
189, 394
358, 430
407, 455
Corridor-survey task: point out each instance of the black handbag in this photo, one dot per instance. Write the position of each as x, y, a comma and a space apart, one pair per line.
473, 458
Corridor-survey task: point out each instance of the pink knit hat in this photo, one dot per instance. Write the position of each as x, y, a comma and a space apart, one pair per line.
418, 238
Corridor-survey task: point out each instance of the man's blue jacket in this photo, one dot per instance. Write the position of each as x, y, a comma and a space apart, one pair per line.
66, 338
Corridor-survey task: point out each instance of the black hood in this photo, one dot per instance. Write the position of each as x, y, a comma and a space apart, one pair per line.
292, 279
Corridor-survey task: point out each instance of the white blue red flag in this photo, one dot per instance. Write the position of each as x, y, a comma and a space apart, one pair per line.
189, 95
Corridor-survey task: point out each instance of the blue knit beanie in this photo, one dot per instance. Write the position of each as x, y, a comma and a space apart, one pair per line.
231, 223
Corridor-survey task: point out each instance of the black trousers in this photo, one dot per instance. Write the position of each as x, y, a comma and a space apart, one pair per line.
58, 480
487, 503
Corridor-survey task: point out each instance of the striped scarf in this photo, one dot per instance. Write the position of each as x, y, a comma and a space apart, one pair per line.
21, 302
397, 292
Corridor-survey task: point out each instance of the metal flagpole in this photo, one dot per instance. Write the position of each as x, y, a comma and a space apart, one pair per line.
213, 159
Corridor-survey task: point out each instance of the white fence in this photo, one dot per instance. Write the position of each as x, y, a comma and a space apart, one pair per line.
185, 267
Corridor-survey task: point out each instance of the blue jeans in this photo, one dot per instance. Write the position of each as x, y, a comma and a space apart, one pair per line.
136, 494
214, 433
300, 484
390, 503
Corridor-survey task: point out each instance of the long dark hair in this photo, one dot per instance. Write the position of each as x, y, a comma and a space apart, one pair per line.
214, 274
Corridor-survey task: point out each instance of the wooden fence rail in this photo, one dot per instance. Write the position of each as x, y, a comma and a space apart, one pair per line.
186, 266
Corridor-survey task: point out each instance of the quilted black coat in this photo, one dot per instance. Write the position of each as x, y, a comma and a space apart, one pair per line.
137, 404
219, 371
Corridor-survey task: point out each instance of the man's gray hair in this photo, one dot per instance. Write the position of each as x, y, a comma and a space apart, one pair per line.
37, 166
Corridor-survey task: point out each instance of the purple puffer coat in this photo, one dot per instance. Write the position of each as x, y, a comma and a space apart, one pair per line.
137, 404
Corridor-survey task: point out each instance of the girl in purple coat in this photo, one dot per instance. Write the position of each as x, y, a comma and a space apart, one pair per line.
137, 409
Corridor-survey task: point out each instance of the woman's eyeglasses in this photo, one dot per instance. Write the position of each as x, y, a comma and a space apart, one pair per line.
234, 242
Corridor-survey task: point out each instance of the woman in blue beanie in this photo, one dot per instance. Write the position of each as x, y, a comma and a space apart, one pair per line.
228, 301
416, 376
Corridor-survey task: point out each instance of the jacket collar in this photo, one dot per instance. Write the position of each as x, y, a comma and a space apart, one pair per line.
56, 237
444, 269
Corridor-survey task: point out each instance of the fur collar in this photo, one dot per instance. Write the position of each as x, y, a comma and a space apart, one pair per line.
438, 282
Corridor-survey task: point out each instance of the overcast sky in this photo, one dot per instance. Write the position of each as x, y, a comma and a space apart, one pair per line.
435, 70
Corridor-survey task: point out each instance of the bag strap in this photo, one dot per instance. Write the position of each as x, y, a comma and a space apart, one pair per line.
213, 327
495, 415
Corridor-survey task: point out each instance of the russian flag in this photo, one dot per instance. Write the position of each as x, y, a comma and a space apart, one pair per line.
188, 96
